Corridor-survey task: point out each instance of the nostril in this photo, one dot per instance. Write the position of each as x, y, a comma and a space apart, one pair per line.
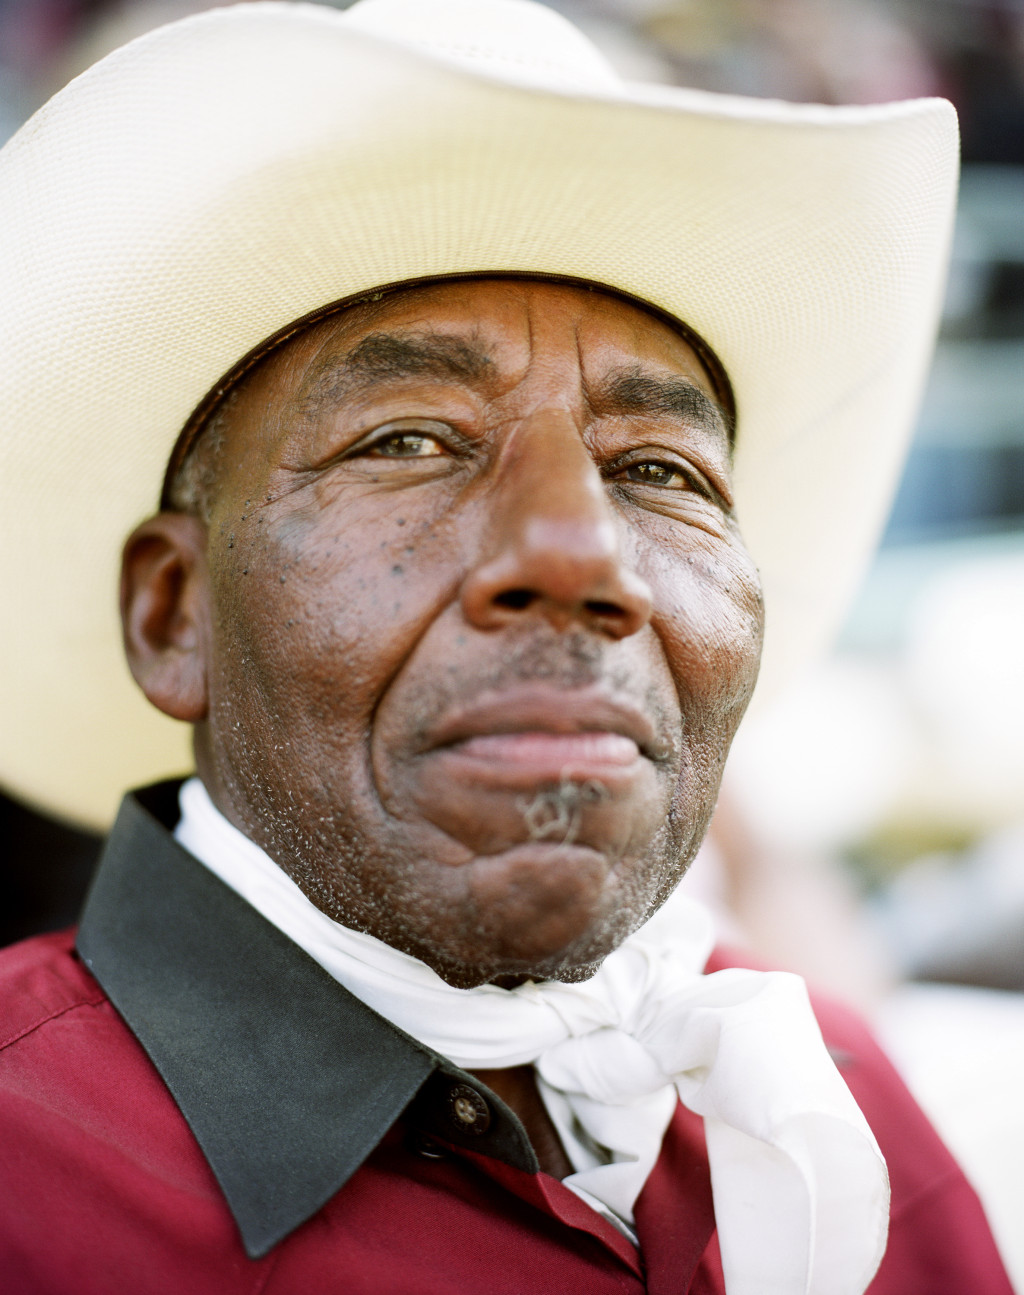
515, 599
603, 609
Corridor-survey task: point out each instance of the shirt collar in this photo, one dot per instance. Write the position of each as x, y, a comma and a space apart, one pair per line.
286, 1080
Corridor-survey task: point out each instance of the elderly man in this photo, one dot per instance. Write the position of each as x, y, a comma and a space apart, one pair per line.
461, 359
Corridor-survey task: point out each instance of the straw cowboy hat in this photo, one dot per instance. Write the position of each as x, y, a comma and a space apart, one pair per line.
198, 190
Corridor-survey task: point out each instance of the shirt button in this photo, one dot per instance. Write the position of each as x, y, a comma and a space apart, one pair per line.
467, 1110
425, 1146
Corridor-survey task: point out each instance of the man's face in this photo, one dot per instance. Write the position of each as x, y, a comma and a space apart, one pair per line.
480, 621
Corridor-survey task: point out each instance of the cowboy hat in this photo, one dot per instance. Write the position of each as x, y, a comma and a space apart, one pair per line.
206, 185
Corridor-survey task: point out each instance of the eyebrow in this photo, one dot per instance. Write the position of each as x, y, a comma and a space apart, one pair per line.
394, 357
632, 391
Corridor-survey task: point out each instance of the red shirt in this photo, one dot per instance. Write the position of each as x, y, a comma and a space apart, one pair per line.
320, 1156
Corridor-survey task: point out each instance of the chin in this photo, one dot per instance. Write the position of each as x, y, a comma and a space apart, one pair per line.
568, 970
511, 957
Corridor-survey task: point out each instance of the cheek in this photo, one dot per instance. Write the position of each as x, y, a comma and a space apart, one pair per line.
316, 613
710, 619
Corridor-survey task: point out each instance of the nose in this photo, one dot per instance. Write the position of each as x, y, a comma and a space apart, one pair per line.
551, 547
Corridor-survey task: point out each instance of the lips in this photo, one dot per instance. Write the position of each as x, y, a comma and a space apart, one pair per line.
535, 734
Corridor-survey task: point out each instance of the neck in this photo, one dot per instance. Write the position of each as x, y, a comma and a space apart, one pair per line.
517, 1087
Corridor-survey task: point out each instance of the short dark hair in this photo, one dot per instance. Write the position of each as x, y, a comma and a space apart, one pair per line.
192, 486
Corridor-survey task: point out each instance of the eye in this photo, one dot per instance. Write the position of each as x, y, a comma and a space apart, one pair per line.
651, 473
415, 437
417, 448
669, 482
406, 445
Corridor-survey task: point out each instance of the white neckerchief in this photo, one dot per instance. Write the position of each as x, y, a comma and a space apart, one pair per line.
800, 1188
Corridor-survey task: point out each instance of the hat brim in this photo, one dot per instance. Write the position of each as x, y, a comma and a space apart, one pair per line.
204, 186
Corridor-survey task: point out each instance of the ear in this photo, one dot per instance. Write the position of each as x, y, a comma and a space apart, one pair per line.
165, 613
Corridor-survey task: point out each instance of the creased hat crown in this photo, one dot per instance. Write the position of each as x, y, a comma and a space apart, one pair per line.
515, 40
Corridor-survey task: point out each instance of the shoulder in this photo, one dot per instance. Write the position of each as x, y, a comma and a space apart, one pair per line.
41, 980
56, 1024
99, 1173
939, 1238
62, 1044
916, 1155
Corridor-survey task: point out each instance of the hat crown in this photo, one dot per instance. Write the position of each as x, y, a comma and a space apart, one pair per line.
515, 40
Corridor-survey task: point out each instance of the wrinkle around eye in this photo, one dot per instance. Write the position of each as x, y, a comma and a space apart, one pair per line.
689, 507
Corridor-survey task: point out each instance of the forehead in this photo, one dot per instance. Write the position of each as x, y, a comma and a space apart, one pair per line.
489, 330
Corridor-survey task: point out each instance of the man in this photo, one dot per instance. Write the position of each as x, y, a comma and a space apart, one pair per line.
447, 577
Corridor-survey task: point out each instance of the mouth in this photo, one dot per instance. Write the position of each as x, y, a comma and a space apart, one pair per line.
537, 734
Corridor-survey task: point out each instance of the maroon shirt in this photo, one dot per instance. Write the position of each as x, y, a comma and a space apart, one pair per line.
256, 1129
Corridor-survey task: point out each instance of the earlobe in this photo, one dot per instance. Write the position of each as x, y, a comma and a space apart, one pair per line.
165, 613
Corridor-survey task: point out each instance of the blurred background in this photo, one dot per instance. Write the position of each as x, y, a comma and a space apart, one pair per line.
871, 830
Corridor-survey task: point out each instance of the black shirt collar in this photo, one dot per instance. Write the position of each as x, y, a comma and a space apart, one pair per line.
287, 1081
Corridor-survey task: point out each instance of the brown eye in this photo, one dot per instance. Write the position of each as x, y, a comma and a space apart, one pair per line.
655, 474
407, 445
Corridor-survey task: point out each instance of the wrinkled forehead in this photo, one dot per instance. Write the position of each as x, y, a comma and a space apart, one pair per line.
456, 325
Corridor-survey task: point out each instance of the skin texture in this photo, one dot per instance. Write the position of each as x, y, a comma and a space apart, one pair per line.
467, 625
